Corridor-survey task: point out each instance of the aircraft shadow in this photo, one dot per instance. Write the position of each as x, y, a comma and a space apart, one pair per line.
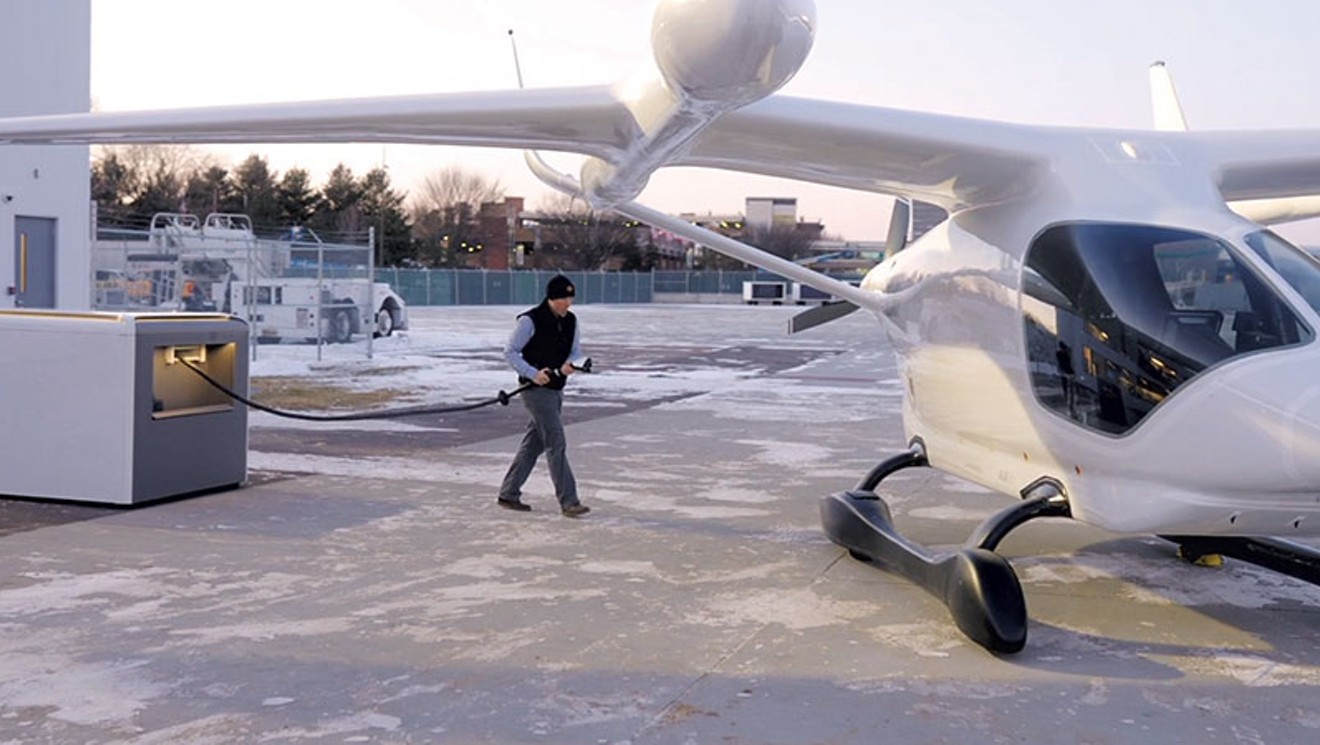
1114, 607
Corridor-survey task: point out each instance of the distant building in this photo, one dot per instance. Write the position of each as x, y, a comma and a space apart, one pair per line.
765, 212
497, 230
512, 237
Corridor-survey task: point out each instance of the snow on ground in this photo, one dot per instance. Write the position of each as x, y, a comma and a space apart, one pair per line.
709, 362
454, 354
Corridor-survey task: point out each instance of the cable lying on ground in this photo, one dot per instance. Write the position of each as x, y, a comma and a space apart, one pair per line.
502, 398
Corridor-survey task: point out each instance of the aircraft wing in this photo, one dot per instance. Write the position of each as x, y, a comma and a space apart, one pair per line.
950, 161
946, 160
588, 120
1246, 168
1262, 165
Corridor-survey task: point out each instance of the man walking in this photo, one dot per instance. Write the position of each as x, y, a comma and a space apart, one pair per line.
542, 350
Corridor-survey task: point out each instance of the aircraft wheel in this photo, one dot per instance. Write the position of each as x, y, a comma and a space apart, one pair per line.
384, 322
341, 327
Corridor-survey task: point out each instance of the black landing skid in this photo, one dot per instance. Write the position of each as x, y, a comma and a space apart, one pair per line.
977, 585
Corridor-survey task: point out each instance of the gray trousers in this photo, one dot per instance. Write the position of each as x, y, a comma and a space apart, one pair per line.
545, 434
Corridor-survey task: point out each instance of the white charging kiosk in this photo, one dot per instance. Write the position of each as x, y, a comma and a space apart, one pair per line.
97, 407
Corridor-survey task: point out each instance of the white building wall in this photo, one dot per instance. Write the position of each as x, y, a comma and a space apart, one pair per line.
760, 212
45, 56
763, 212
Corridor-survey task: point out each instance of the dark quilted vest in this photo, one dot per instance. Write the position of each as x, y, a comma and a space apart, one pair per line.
551, 342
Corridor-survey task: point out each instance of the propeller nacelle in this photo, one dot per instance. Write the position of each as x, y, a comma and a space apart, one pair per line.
713, 56
731, 52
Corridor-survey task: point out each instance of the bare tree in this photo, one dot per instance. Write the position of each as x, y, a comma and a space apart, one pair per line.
444, 210
575, 236
788, 241
455, 185
145, 179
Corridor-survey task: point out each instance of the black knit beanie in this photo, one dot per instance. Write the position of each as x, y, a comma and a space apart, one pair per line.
559, 287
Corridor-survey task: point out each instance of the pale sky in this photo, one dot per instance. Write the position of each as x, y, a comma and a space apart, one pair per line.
1236, 65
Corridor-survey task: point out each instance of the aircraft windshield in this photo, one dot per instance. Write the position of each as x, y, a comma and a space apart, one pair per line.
1118, 316
1297, 268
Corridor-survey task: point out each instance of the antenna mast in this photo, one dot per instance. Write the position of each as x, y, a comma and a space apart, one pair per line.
516, 67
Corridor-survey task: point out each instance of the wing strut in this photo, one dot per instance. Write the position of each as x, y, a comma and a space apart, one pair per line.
873, 301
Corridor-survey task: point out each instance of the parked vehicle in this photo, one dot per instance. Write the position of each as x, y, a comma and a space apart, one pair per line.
764, 292
305, 309
292, 287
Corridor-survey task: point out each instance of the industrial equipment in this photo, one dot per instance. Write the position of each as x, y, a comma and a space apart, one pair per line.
96, 407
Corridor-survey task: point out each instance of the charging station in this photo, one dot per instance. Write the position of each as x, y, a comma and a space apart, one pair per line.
98, 407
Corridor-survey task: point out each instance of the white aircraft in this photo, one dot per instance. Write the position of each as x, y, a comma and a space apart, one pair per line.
1093, 331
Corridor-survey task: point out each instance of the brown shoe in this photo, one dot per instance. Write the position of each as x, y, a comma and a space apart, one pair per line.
513, 504
576, 510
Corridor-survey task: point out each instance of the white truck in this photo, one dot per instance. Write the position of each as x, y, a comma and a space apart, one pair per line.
223, 266
295, 308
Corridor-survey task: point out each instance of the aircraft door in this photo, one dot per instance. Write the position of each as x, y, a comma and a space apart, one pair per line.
34, 263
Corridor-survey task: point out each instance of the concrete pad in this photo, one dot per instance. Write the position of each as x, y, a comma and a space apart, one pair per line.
364, 587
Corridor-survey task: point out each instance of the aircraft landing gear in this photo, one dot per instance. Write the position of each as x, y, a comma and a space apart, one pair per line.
977, 585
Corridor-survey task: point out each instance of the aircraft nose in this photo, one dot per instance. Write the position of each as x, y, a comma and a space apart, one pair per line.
1253, 424
1282, 403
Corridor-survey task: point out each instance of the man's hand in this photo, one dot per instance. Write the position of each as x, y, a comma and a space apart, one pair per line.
567, 369
542, 376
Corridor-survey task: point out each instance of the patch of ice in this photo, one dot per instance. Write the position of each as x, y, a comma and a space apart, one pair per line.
794, 608
367, 720
89, 694
263, 630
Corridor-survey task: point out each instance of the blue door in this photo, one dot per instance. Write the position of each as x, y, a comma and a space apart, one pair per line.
34, 262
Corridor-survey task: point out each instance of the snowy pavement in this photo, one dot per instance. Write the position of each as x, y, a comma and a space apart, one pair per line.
365, 588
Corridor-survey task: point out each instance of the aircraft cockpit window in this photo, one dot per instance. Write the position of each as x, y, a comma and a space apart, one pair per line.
1297, 268
1118, 316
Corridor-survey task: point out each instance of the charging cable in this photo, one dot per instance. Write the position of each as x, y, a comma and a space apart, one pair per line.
502, 398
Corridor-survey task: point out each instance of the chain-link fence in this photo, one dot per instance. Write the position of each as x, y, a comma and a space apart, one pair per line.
527, 287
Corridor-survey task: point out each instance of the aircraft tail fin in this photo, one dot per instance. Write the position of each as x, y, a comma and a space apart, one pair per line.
1267, 211
1164, 100
900, 224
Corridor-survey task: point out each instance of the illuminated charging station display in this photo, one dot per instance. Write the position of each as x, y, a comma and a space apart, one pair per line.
178, 391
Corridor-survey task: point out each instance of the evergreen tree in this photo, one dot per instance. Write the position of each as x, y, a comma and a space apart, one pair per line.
162, 191
255, 184
159, 175
296, 197
382, 208
113, 185
341, 204
210, 191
